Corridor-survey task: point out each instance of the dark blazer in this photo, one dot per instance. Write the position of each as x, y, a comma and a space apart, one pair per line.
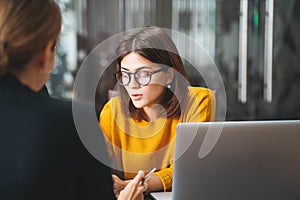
42, 156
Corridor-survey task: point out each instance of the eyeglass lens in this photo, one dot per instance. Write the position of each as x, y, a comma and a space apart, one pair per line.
141, 77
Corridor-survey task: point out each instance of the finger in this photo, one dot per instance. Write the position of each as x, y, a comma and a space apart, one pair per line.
131, 189
116, 191
115, 178
127, 193
139, 193
145, 187
134, 183
117, 187
139, 177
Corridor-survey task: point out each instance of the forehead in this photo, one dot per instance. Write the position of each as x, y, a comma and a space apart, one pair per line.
133, 61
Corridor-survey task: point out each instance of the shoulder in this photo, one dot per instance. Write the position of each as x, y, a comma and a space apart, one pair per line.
114, 100
201, 92
110, 110
201, 104
113, 104
51, 108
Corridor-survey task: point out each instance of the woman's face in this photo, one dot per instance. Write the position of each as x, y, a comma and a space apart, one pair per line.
144, 96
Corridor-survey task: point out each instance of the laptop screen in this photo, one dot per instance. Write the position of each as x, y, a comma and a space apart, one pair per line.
241, 160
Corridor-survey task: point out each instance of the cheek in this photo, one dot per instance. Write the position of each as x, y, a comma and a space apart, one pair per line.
153, 91
158, 80
126, 88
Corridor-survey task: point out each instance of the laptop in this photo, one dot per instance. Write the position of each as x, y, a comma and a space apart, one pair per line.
236, 160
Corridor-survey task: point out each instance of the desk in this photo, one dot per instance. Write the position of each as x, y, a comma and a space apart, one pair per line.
161, 195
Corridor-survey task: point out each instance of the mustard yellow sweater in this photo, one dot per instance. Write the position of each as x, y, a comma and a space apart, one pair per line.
134, 145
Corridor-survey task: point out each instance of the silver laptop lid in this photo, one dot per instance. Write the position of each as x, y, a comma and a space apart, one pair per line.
245, 160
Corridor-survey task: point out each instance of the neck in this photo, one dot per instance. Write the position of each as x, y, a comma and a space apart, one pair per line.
29, 78
154, 112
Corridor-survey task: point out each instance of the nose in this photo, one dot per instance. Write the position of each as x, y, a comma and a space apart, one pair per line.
133, 83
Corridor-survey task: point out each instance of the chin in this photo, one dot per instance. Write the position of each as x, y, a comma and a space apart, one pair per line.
138, 105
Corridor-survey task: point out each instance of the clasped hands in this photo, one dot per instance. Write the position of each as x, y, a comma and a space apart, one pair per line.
130, 189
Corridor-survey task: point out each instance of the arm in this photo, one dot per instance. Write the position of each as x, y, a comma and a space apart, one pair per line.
161, 180
201, 108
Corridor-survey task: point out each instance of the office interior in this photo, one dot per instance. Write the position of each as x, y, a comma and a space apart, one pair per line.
255, 45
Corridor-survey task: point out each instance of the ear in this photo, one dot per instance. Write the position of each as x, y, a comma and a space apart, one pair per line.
45, 57
170, 75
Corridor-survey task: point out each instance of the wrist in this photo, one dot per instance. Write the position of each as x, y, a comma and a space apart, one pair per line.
153, 184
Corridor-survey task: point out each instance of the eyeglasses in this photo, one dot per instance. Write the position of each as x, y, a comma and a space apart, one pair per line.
142, 77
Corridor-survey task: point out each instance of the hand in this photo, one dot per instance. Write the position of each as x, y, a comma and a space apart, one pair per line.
134, 190
119, 185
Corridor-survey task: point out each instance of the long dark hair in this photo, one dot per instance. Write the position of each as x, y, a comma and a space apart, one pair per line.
155, 45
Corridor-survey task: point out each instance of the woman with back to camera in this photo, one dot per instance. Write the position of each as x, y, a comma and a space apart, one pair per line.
41, 154
153, 97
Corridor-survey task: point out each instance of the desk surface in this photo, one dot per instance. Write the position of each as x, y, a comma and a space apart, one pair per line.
161, 195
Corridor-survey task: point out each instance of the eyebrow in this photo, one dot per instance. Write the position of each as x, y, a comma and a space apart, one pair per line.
143, 67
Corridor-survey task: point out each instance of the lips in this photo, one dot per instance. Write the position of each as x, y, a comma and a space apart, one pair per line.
136, 97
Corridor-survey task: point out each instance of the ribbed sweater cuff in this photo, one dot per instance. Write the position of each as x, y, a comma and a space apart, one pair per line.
165, 179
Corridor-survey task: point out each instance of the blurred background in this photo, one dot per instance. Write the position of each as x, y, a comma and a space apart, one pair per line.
254, 43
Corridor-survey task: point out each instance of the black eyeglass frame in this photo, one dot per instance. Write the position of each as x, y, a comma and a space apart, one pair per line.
135, 77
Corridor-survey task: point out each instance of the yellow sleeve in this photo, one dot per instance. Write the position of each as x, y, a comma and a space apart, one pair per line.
104, 119
105, 125
166, 177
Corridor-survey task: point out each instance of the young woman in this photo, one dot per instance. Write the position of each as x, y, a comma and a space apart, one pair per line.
154, 96
41, 154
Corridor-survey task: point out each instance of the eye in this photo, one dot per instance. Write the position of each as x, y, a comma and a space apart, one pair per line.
142, 74
125, 77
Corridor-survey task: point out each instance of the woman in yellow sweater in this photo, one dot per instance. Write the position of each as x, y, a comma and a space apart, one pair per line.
154, 96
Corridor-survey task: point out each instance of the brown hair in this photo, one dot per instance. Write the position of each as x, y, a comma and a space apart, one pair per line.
26, 26
155, 45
